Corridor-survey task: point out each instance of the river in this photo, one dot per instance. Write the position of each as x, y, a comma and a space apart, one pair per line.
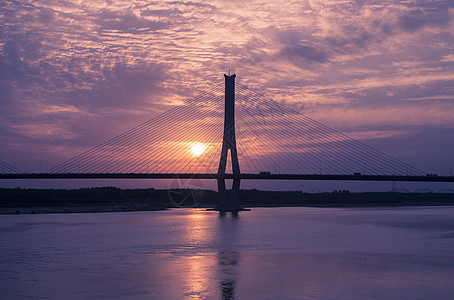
267, 253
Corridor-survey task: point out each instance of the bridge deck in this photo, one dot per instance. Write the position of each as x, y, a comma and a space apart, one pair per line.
228, 176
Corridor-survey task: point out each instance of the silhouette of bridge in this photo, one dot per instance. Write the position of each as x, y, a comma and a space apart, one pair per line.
209, 135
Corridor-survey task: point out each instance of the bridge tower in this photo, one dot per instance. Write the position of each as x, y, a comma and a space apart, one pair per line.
228, 199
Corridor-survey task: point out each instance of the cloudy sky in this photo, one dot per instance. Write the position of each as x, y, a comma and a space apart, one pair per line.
76, 73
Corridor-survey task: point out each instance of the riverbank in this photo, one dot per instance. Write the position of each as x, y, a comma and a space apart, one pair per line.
111, 199
73, 209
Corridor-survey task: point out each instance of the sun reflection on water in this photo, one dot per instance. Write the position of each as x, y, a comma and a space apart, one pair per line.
197, 280
204, 262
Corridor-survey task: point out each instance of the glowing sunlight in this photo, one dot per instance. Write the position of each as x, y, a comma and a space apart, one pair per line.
198, 149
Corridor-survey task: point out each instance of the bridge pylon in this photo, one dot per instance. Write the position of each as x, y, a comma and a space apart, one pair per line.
228, 199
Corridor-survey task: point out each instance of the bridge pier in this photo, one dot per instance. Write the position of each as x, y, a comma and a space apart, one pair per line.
228, 199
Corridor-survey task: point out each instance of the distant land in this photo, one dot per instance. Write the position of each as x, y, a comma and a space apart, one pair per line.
106, 199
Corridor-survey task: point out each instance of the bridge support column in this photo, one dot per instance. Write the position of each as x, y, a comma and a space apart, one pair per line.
228, 200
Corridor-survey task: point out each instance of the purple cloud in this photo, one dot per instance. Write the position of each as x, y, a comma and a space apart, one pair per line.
126, 21
308, 54
419, 18
67, 71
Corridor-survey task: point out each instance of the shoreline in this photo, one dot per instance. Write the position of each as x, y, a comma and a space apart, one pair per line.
109, 209
71, 210
111, 199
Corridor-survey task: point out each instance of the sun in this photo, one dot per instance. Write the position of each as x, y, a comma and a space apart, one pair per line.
198, 149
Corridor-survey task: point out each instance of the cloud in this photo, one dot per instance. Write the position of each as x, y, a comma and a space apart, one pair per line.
347, 117
123, 85
123, 92
126, 21
423, 16
434, 97
303, 53
353, 40
73, 68
448, 58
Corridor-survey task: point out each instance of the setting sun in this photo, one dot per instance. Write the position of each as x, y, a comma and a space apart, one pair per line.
198, 149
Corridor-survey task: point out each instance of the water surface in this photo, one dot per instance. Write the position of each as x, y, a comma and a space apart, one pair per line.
268, 253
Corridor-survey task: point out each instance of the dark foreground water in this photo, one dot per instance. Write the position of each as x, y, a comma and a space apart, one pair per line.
268, 253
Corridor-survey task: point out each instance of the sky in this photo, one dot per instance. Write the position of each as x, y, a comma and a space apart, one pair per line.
74, 74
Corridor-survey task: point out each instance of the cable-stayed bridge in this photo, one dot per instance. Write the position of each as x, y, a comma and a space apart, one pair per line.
232, 132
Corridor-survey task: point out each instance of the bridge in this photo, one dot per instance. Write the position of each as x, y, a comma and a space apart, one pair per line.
211, 135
